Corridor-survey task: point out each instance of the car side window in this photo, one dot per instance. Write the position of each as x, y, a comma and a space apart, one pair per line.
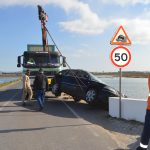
70, 77
82, 74
71, 73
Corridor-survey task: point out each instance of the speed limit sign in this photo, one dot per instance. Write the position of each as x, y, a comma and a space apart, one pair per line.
120, 56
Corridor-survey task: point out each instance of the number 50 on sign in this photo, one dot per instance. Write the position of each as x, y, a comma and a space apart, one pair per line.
120, 56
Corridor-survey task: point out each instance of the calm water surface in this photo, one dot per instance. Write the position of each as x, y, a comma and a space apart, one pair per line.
132, 87
7, 79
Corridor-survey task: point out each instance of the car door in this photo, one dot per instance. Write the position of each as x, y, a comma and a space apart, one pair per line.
82, 83
69, 82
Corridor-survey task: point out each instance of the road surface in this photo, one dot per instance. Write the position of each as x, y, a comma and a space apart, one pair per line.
62, 125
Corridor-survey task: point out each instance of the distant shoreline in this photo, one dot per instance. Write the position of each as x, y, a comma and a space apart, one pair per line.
124, 74
130, 74
10, 75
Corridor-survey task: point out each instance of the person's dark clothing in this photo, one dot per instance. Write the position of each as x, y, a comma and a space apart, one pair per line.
146, 131
40, 86
41, 82
40, 95
145, 137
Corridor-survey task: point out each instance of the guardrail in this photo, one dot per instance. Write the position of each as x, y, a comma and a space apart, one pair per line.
131, 109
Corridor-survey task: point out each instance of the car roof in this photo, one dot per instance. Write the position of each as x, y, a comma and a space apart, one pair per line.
65, 70
72, 70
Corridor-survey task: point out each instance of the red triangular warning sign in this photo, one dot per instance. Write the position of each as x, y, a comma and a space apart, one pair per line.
120, 38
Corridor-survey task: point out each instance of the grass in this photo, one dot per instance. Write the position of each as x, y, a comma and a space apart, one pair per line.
10, 82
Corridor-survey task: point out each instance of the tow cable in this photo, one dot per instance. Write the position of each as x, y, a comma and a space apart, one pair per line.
44, 18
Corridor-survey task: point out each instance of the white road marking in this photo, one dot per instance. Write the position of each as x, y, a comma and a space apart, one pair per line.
91, 128
75, 114
82, 120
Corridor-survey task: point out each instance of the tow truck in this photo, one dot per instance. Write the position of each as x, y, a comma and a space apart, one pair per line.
42, 56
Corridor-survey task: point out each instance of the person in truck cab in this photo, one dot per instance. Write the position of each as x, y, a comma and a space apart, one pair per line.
31, 61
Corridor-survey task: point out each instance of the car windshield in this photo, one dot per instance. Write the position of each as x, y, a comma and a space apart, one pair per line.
93, 77
41, 59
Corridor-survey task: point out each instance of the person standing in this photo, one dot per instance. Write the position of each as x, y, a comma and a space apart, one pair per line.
27, 90
146, 130
40, 86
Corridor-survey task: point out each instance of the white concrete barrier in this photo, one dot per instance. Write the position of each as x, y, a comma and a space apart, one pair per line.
131, 109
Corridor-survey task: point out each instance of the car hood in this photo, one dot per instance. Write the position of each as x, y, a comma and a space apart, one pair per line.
108, 88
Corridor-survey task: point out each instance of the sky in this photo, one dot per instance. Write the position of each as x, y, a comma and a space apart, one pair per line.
82, 30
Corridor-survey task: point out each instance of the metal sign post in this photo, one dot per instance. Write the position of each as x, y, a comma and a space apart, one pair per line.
120, 72
120, 57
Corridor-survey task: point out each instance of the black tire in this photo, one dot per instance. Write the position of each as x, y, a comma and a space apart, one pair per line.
76, 99
56, 89
91, 96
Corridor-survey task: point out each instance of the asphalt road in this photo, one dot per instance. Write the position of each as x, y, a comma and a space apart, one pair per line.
62, 125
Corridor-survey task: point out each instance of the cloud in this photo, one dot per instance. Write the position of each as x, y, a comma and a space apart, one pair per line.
126, 2
137, 28
88, 22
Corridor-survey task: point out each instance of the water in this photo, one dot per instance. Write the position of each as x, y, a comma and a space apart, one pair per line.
7, 79
132, 87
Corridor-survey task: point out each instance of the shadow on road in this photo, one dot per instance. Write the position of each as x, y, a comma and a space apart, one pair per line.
135, 144
57, 107
10, 94
95, 115
43, 128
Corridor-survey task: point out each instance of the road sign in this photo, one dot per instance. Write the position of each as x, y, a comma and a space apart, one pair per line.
120, 37
120, 56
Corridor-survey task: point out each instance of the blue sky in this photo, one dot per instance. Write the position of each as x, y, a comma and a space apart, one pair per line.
82, 30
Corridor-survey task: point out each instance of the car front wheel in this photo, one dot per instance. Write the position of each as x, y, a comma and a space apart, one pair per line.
91, 95
56, 89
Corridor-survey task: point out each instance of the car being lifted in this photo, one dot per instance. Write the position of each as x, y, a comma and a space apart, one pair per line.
84, 85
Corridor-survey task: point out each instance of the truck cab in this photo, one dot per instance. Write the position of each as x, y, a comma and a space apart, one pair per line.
34, 58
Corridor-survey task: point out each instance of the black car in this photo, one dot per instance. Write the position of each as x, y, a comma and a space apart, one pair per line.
81, 84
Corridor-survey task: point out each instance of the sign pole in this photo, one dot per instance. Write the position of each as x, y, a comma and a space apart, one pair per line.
120, 56
120, 72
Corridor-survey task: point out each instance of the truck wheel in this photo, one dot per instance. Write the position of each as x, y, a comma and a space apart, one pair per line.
56, 90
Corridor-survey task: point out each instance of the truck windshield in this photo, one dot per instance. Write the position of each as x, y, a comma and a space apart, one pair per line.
41, 60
